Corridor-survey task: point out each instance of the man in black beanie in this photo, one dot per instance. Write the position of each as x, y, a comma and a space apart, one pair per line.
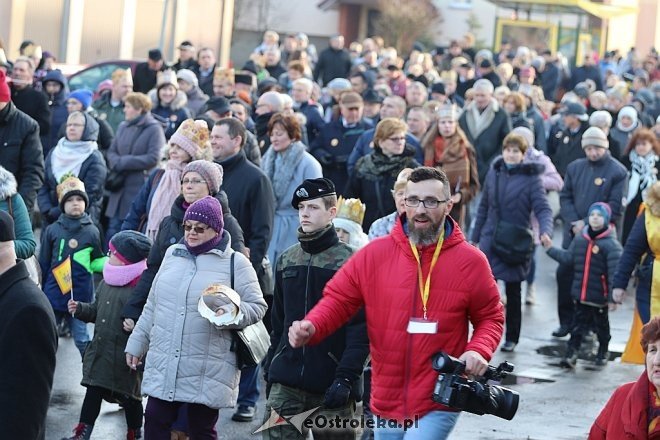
328, 374
28, 343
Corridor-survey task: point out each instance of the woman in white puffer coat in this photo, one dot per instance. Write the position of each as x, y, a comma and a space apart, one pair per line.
189, 358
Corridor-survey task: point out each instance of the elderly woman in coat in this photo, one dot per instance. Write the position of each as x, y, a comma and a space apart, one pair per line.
133, 153
189, 356
75, 154
287, 164
513, 190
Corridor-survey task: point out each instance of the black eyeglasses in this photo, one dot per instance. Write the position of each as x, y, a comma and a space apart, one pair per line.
197, 229
413, 202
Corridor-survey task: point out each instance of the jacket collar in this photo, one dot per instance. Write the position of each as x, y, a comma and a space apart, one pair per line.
318, 241
232, 161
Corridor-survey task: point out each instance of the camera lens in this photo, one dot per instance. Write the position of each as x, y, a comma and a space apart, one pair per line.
505, 402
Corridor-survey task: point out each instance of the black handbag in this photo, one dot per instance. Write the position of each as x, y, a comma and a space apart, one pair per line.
115, 180
251, 343
512, 243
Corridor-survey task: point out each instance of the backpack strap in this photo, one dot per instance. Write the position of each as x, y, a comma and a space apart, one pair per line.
231, 269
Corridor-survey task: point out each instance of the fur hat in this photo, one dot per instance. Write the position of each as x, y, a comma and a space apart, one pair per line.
206, 210
7, 232
312, 189
130, 246
211, 172
193, 138
71, 186
594, 136
5, 93
604, 210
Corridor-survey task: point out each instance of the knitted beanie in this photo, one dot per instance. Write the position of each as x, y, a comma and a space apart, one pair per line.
83, 96
526, 134
604, 210
130, 246
600, 118
206, 210
595, 137
211, 172
69, 187
193, 137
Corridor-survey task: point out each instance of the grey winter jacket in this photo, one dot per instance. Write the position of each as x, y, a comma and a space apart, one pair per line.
189, 358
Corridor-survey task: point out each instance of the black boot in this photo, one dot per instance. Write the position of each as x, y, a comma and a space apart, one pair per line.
602, 357
570, 360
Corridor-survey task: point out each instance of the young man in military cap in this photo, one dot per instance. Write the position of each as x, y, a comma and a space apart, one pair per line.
327, 375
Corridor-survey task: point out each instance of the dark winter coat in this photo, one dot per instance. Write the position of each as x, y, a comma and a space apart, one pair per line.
80, 239
487, 142
549, 81
594, 262
58, 112
144, 79
300, 277
34, 104
93, 172
583, 73
637, 251
170, 232
588, 182
538, 127
251, 199
28, 343
315, 122
104, 363
332, 64
174, 114
251, 148
333, 146
106, 133
565, 146
205, 82
135, 151
365, 145
520, 193
20, 152
372, 182
136, 219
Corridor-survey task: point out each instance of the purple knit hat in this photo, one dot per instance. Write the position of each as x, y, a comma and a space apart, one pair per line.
206, 210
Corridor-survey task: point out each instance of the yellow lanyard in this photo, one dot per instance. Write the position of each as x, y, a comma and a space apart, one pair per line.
424, 287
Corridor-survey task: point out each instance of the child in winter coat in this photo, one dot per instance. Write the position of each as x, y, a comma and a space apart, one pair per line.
105, 373
594, 255
73, 235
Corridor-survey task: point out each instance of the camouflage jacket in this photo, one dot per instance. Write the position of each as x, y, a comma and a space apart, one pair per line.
301, 274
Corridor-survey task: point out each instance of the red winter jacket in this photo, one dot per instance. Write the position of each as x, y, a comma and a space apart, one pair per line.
383, 277
625, 414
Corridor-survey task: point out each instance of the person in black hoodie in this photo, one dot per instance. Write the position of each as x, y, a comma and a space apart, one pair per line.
56, 88
327, 374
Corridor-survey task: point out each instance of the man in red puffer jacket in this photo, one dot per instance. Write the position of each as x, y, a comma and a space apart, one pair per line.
403, 333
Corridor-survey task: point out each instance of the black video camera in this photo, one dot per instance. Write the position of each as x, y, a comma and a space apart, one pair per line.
454, 390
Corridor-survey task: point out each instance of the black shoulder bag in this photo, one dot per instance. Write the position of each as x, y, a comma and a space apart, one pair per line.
512, 243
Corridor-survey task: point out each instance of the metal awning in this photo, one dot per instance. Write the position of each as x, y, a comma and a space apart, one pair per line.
600, 10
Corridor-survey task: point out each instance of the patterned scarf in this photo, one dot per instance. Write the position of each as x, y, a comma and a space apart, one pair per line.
280, 167
642, 174
653, 415
377, 166
168, 189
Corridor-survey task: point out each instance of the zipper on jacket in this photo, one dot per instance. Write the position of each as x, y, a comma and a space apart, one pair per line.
309, 265
585, 276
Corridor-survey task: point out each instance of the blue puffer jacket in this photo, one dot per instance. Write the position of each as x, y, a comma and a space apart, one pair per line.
57, 104
520, 194
594, 263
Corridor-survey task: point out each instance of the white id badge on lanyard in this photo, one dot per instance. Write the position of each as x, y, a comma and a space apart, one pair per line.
422, 326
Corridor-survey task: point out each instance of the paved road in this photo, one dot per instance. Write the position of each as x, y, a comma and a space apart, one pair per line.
562, 408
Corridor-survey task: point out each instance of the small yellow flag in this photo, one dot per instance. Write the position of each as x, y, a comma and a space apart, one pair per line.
62, 274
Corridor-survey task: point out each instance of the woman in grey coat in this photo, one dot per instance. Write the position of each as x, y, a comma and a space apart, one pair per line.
287, 164
190, 358
133, 153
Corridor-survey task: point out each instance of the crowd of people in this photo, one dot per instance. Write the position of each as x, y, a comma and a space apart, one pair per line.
350, 199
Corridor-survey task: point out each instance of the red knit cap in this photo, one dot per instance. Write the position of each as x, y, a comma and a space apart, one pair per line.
5, 94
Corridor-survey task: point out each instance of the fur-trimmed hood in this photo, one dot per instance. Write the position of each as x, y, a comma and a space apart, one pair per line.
179, 102
8, 185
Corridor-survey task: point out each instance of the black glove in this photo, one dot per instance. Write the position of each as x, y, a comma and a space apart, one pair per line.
338, 394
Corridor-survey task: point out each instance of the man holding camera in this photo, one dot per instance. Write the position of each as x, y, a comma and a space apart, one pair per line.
421, 286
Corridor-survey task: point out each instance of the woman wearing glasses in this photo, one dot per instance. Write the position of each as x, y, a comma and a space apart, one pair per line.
512, 191
78, 155
374, 175
152, 204
189, 360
